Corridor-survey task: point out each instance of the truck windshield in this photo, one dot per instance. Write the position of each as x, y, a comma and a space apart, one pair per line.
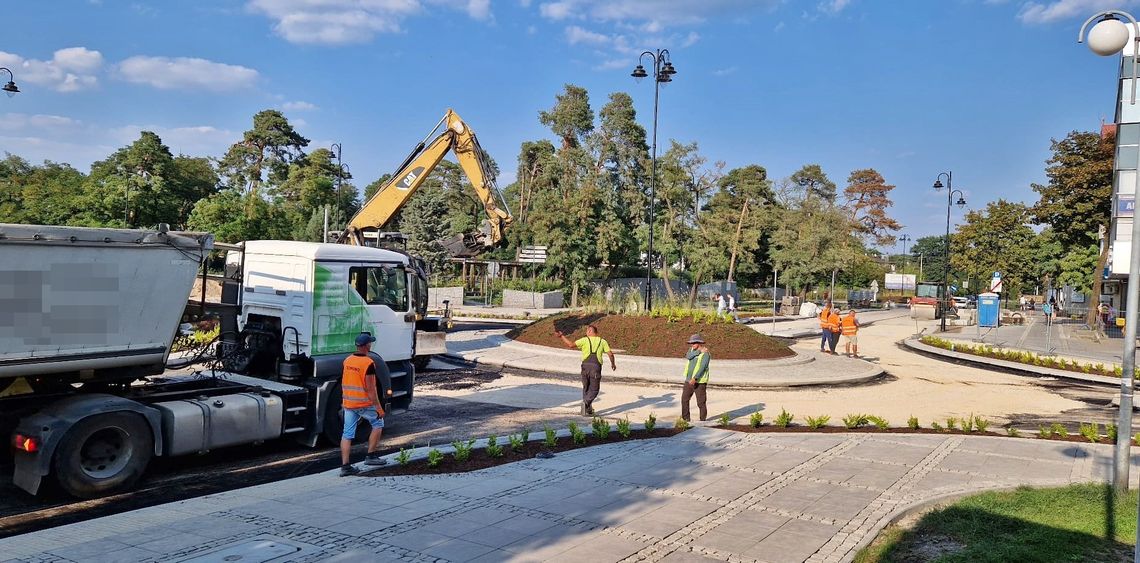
381, 285
927, 290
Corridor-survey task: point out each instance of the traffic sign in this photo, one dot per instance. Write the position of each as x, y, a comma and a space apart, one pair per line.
995, 284
532, 255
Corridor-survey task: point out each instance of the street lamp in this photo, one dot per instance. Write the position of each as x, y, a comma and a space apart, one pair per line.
1110, 36
950, 191
10, 88
905, 238
663, 72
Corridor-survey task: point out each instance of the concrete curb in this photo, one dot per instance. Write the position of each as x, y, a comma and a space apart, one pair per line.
1036, 371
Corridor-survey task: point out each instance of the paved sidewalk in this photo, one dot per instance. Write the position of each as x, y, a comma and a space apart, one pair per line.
704, 495
1067, 339
982, 361
490, 347
801, 327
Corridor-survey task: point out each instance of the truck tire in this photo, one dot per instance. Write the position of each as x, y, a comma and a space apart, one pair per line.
103, 454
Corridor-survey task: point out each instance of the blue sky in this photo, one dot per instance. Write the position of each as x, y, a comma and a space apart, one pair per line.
909, 88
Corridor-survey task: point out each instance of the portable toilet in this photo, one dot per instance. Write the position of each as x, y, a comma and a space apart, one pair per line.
989, 310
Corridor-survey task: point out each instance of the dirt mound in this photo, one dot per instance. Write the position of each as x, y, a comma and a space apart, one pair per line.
646, 336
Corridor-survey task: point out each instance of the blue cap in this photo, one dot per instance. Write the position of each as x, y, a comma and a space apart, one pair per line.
365, 339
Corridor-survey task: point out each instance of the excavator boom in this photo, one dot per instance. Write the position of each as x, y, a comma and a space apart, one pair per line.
457, 137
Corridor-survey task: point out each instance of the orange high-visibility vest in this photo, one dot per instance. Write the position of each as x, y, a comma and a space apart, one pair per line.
849, 327
823, 317
353, 386
833, 321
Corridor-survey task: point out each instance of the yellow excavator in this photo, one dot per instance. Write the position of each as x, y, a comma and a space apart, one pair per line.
456, 137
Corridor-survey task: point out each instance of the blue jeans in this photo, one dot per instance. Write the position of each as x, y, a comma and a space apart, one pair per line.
352, 417
825, 339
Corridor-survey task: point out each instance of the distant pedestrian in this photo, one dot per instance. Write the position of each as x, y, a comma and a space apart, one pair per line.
720, 303
1102, 313
850, 329
825, 333
592, 347
731, 303
361, 402
834, 325
1021, 302
696, 376
1047, 309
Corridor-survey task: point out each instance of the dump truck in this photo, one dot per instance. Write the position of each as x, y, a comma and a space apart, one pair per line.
87, 321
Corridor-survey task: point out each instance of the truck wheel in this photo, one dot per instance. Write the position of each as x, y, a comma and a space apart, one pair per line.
334, 418
103, 454
421, 362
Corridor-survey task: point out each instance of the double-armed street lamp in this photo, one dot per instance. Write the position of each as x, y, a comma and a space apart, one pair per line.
663, 72
950, 191
1108, 37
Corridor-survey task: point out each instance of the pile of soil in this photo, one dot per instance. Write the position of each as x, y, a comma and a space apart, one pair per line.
481, 460
659, 337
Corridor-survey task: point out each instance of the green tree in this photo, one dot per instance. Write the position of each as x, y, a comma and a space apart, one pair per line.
1078, 268
136, 183
371, 189
233, 217
263, 155
571, 118
47, 194
867, 198
742, 209
423, 219
812, 242
996, 239
194, 179
932, 251
813, 182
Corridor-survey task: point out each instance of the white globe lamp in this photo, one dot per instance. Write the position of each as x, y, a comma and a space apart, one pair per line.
1108, 37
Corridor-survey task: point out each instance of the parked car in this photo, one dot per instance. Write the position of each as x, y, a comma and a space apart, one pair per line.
965, 301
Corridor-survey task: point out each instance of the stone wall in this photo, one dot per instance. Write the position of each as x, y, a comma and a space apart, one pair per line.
437, 295
532, 300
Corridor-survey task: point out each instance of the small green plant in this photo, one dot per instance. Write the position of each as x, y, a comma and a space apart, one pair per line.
434, 457
1136, 439
1044, 432
723, 420
879, 422
524, 434
463, 450
853, 421
601, 428
817, 422
968, 423
623, 429
981, 423
1090, 431
576, 434
682, 424
551, 436
951, 424
493, 447
1012, 432
936, 427
784, 419
912, 423
404, 456
1110, 430
650, 422
1059, 430
756, 419
516, 442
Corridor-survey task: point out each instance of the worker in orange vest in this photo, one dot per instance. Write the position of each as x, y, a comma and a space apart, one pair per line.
849, 326
833, 322
361, 402
825, 333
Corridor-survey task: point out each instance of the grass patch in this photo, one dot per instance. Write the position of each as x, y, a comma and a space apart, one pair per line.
1028, 524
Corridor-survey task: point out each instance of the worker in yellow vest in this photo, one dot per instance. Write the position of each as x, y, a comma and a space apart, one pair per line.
592, 347
849, 326
833, 326
825, 333
361, 402
696, 376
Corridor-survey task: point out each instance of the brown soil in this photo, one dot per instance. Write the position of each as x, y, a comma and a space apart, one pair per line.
646, 336
481, 460
1074, 437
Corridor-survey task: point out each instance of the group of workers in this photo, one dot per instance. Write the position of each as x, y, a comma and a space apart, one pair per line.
832, 324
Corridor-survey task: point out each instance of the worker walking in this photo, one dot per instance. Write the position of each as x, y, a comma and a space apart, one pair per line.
849, 327
825, 333
696, 377
834, 326
361, 402
592, 347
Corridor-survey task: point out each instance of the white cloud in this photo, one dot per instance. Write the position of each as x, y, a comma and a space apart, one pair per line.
724, 71
69, 70
339, 22
194, 140
298, 106
16, 122
658, 15
833, 7
576, 35
186, 73
691, 39
1038, 13
779, 26
556, 10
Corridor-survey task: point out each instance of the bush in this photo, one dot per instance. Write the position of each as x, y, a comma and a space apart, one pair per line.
968, 423
879, 422
1110, 430
723, 420
756, 419
1044, 431
817, 422
516, 441
1090, 431
1059, 430
1012, 432
784, 419
1136, 439
576, 434
434, 457
623, 428
951, 423
650, 422
912, 423
853, 421
551, 437
493, 447
601, 428
935, 426
682, 424
463, 450
981, 423
404, 456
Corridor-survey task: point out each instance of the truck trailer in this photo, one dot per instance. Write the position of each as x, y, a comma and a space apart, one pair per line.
88, 317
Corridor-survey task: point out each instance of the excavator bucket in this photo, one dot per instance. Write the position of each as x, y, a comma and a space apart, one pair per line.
461, 246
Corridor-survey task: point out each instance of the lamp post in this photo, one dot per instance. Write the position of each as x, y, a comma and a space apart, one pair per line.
905, 238
663, 72
10, 88
335, 149
1109, 37
950, 191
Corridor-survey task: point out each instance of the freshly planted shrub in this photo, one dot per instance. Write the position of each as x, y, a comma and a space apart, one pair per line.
1136, 439
434, 457
1012, 432
1090, 431
756, 419
463, 450
1044, 431
853, 421
601, 428
817, 422
1110, 430
951, 423
493, 447
682, 424
968, 423
879, 422
936, 426
576, 434
650, 422
912, 423
784, 419
1059, 430
723, 420
516, 441
981, 423
623, 429
404, 456
551, 437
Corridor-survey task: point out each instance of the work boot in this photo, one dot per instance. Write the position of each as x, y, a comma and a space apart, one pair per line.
590, 409
346, 470
374, 459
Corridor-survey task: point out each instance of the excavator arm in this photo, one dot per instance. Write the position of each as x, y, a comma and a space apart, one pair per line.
457, 137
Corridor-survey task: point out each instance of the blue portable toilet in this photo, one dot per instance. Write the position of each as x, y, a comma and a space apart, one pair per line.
989, 310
